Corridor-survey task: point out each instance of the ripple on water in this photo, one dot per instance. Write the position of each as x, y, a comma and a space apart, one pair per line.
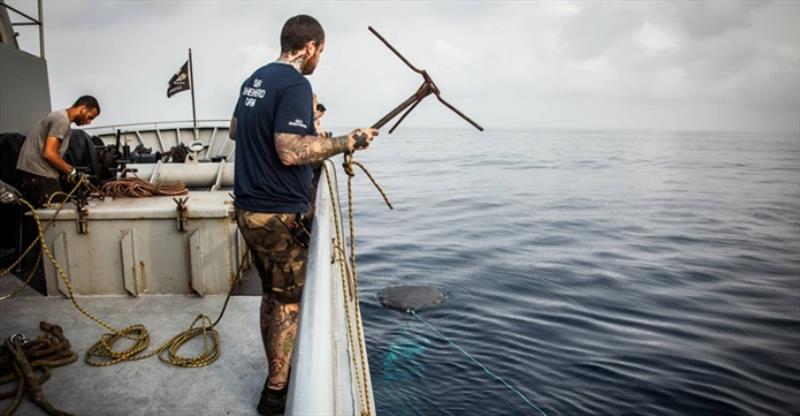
598, 272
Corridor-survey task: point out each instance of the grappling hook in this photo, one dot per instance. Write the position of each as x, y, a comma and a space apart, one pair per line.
428, 87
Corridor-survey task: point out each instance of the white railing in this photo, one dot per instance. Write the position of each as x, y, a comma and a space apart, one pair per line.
328, 377
156, 125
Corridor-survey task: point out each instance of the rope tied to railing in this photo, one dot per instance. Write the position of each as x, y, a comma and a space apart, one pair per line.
356, 340
348, 168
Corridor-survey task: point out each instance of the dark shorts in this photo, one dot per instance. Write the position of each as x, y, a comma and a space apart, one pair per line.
279, 258
38, 189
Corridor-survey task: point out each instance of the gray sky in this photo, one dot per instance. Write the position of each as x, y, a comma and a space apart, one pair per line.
713, 65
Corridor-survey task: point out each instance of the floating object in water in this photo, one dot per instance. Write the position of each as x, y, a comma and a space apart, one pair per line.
411, 298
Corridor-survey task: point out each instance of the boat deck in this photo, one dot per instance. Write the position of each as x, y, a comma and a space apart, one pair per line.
330, 370
229, 386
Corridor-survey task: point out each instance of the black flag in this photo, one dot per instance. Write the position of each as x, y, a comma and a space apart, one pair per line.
179, 82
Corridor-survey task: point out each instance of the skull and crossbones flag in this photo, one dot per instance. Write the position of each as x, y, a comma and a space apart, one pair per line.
180, 81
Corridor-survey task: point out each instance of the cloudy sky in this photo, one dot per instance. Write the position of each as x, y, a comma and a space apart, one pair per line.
706, 65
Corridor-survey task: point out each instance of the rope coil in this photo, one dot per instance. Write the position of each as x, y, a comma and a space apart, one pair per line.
102, 353
138, 188
21, 359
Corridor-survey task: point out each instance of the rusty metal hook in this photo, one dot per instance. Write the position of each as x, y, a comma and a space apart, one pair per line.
428, 87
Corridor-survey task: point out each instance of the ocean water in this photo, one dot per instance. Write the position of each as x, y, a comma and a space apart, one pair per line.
598, 272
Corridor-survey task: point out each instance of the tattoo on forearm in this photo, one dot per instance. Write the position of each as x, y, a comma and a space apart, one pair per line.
294, 149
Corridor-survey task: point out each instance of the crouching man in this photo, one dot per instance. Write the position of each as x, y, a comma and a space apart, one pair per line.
41, 158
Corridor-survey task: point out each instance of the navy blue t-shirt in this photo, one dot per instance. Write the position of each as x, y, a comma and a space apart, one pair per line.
275, 99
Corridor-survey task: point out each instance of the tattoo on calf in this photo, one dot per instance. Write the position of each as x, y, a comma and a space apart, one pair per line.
279, 335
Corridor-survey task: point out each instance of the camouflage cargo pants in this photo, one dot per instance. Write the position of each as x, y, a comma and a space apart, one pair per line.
279, 259
281, 264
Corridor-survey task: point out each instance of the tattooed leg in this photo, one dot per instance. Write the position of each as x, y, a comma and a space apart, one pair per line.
265, 319
279, 342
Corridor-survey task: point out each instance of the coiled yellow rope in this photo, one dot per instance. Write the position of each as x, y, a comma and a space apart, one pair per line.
102, 353
138, 188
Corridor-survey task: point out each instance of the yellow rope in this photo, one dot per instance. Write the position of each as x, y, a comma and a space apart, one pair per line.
55, 194
348, 288
8, 270
102, 352
139, 188
350, 274
24, 283
33, 243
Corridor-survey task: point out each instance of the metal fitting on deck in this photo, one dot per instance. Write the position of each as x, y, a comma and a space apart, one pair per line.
183, 212
83, 214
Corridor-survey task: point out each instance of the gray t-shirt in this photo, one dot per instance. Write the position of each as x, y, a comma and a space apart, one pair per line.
31, 156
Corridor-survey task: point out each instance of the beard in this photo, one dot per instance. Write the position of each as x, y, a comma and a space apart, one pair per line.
309, 64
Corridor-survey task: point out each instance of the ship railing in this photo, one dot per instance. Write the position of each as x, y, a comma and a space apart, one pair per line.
330, 374
162, 136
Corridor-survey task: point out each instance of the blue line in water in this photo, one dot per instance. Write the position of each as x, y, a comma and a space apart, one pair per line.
486, 370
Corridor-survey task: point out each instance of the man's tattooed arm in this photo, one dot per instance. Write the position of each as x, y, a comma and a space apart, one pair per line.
294, 149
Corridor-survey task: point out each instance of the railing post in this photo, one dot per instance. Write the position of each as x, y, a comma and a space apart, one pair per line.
41, 29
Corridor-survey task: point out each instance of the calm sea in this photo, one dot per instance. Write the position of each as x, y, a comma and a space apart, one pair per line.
598, 272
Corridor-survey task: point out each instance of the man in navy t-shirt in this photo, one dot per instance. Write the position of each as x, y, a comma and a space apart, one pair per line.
276, 144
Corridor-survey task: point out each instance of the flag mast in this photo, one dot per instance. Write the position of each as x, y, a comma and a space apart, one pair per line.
191, 88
